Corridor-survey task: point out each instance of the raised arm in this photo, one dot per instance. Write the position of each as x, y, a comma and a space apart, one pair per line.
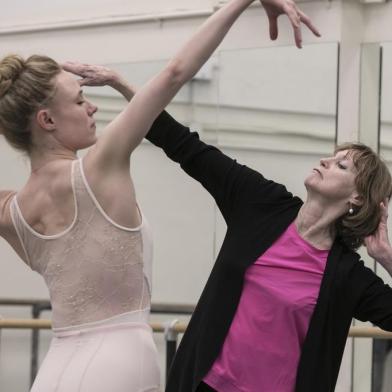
375, 304
125, 132
128, 129
229, 182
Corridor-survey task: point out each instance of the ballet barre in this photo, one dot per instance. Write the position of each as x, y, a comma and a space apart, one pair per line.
38, 306
173, 329
179, 328
46, 324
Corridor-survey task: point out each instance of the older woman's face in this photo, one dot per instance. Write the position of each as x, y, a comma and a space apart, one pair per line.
334, 179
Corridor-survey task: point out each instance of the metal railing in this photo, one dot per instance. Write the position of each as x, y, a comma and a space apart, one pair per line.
171, 329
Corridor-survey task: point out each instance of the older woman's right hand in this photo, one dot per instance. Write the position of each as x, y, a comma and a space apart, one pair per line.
91, 75
275, 8
98, 75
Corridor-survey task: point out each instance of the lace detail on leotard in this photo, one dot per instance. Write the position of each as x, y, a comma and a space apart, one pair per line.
96, 269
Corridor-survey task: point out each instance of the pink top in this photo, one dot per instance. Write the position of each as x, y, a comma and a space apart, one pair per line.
263, 346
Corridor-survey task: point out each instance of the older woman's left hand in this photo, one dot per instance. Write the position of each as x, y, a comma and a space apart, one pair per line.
377, 244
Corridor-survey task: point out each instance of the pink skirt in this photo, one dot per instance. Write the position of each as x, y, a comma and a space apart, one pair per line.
114, 355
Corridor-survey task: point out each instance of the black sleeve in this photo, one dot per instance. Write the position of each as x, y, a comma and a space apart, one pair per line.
375, 302
225, 179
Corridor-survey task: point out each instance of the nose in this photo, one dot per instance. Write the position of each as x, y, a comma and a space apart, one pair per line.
91, 109
324, 162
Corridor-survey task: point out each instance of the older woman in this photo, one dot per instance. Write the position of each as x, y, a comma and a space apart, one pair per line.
276, 310
77, 222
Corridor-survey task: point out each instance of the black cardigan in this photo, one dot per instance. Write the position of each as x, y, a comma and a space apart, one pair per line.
257, 211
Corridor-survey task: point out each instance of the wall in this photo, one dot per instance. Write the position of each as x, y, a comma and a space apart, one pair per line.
188, 228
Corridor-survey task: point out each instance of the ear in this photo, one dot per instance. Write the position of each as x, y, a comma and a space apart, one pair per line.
45, 120
356, 199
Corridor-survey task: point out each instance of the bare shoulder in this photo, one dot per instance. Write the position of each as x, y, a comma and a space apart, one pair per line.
100, 165
5, 216
112, 185
103, 154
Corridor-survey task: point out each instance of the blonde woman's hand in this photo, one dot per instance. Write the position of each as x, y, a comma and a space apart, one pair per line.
275, 8
377, 244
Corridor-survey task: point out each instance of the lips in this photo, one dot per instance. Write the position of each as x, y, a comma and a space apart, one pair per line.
318, 171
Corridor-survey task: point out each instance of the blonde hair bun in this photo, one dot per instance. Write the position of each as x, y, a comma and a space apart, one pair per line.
11, 67
25, 85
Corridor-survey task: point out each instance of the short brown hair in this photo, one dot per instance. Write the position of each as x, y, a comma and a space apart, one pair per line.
374, 184
25, 86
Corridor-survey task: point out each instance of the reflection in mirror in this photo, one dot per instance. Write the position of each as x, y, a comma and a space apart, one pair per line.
382, 349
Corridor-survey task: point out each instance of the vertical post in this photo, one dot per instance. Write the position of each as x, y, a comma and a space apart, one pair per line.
171, 338
36, 310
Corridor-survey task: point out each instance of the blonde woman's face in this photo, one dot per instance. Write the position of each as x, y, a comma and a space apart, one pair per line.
72, 114
334, 178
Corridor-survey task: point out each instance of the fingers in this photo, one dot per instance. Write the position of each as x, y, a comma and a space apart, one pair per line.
274, 8
273, 27
308, 23
366, 241
293, 14
384, 210
297, 17
74, 67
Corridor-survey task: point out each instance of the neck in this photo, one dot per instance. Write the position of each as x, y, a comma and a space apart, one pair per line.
41, 160
315, 222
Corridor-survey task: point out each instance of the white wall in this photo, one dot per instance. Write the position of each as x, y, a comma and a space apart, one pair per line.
285, 133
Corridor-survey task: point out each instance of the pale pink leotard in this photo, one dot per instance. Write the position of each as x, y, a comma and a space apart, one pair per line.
99, 278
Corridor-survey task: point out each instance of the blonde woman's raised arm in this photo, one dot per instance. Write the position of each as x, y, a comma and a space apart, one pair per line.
124, 134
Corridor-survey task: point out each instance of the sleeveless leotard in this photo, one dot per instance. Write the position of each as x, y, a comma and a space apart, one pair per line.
99, 278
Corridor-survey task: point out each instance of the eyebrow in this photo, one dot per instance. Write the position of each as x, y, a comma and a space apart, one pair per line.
79, 93
346, 156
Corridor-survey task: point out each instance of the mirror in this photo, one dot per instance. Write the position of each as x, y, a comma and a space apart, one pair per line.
382, 349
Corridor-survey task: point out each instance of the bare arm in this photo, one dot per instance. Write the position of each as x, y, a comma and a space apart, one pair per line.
5, 218
122, 136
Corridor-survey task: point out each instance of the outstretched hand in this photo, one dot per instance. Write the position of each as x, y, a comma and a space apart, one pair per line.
377, 244
275, 8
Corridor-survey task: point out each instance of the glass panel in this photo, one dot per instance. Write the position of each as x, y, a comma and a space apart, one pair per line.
382, 349
278, 110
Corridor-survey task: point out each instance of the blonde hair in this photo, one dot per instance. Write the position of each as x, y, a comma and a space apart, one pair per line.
25, 86
374, 184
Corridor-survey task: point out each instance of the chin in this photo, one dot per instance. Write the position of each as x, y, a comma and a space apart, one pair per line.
308, 181
88, 144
